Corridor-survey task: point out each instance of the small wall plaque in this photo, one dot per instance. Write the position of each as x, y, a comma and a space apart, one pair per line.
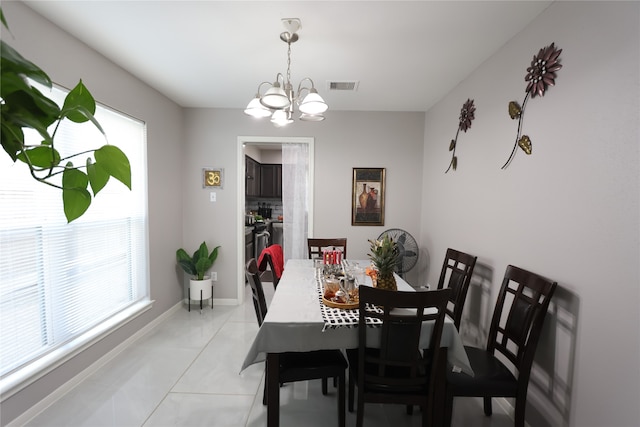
212, 177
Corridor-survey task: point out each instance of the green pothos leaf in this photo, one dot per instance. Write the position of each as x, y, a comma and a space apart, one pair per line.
114, 162
75, 197
4, 21
78, 103
42, 156
12, 138
76, 202
14, 63
98, 177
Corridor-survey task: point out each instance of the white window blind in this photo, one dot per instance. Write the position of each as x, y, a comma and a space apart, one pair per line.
59, 280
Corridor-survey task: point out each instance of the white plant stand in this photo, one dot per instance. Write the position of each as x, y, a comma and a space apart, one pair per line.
202, 289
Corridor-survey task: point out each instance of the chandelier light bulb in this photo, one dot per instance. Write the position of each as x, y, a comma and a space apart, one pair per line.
281, 118
275, 97
256, 109
313, 103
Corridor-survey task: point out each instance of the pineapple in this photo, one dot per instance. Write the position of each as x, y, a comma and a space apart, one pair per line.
384, 255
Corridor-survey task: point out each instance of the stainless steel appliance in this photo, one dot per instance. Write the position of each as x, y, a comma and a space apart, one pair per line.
260, 238
276, 234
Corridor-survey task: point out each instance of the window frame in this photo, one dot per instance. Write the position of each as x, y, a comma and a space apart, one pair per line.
139, 284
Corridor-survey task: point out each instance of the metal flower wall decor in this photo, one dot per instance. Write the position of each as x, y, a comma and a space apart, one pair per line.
540, 75
467, 114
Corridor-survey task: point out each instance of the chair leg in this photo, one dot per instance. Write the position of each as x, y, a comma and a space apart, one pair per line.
273, 390
426, 415
448, 409
264, 394
519, 412
487, 406
351, 392
360, 414
341, 414
324, 386
264, 390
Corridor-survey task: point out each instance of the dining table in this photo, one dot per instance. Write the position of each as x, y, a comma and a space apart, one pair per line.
297, 320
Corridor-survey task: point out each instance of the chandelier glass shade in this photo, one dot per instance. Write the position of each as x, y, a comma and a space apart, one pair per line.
279, 100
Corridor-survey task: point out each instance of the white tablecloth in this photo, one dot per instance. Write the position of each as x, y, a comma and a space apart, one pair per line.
294, 321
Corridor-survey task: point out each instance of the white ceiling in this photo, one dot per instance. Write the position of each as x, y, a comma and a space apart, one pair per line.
406, 55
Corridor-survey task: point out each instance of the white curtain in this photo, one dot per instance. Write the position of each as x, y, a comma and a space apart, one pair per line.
295, 176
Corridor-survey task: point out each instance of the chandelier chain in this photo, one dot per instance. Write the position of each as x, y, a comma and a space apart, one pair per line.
289, 63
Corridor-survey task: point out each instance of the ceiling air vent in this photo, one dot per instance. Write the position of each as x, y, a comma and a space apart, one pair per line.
343, 85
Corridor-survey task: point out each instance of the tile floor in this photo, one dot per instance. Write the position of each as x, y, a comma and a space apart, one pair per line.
185, 372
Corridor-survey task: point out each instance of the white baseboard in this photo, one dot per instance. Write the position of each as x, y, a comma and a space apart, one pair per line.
216, 301
508, 408
225, 301
36, 409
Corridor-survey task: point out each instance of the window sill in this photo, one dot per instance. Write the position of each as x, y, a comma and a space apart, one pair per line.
16, 381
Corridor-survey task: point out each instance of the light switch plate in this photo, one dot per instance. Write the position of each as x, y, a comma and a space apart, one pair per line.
214, 276
212, 196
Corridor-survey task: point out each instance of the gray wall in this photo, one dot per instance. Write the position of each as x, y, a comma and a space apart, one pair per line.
343, 141
116, 88
568, 211
183, 141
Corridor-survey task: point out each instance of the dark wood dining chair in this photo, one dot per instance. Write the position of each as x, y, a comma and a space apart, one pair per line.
456, 273
503, 368
316, 245
397, 370
300, 366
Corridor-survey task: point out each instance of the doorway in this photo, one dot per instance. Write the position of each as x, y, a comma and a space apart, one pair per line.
267, 142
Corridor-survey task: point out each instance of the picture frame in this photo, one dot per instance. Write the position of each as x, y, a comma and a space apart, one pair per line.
367, 198
212, 177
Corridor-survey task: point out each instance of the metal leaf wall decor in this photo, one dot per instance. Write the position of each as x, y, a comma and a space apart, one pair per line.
540, 75
467, 114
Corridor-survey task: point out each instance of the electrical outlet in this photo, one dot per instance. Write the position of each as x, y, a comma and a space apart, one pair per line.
212, 196
214, 276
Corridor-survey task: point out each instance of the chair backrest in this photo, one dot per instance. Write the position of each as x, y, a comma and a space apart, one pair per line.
259, 301
315, 246
456, 273
399, 365
267, 258
517, 321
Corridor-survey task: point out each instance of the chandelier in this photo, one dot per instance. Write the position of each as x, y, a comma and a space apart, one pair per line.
278, 100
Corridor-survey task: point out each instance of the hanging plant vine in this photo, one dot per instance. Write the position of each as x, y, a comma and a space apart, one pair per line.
467, 114
540, 75
24, 107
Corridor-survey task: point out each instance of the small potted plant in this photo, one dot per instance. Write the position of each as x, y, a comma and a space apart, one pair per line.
197, 265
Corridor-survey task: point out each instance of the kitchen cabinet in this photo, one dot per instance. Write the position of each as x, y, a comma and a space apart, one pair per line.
252, 177
271, 180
